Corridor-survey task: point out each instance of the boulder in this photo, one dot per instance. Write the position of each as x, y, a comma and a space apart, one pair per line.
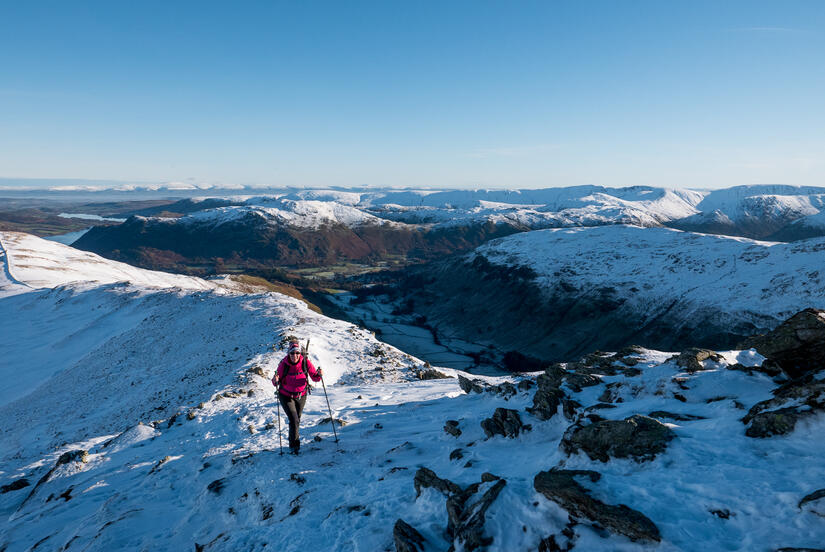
561, 487
407, 538
16, 485
426, 477
504, 422
638, 437
797, 345
451, 427
577, 381
773, 422
691, 359
793, 401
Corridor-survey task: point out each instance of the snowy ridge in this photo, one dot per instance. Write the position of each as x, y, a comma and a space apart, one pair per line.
656, 264
301, 214
32, 262
167, 393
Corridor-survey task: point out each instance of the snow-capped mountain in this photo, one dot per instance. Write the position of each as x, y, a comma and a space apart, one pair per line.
560, 293
148, 422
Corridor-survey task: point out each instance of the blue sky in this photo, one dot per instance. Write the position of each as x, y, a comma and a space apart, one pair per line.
434, 94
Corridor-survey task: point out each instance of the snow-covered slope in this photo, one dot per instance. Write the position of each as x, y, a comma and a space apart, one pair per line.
659, 265
558, 293
32, 262
154, 428
303, 214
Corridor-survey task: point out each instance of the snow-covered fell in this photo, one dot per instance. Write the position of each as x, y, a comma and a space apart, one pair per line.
658, 265
161, 386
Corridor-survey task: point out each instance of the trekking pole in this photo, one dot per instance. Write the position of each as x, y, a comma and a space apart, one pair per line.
331, 419
278, 400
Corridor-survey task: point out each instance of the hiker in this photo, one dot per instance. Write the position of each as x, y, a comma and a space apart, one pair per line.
291, 380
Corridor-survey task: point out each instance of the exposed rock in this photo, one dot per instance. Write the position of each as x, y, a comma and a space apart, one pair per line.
426, 477
471, 386
328, 420
548, 396
16, 485
561, 487
257, 370
406, 538
773, 422
797, 345
466, 518
769, 368
577, 381
569, 407
431, 374
457, 454
451, 427
216, 486
691, 359
638, 437
793, 401
525, 385
786, 549
816, 495
504, 422
72, 456
663, 414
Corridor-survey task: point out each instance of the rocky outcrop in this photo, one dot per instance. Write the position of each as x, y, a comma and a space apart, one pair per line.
407, 538
477, 385
504, 422
466, 515
16, 485
69, 457
793, 401
797, 345
691, 359
638, 437
430, 374
548, 396
814, 496
426, 478
561, 487
466, 512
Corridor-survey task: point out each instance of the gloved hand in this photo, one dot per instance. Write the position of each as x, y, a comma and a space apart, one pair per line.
320, 373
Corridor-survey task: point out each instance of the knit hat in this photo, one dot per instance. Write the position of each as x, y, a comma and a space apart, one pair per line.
294, 347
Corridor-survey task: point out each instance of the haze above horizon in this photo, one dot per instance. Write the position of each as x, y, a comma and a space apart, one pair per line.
455, 95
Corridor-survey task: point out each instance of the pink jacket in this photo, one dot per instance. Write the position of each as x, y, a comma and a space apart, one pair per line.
293, 380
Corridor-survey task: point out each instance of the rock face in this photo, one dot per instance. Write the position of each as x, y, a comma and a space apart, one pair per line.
561, 487
797, 345
406, 538
638, 437
504, 422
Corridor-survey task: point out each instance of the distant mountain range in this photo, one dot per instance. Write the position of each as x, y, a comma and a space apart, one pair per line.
322, 227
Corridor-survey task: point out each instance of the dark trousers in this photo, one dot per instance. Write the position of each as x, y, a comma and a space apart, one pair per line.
293, 409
